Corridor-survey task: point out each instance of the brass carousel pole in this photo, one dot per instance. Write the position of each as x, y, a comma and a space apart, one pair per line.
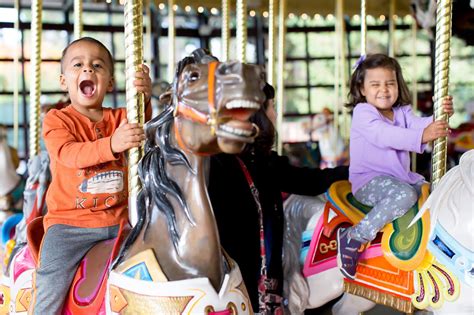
241, 38
271, 42
35, 83
343, 75
363, 28
391, 30
16, 64
77, 19
225, 29
148, 38
414, 83
281, 69
338, 57
171, 37
441, 83
133, 18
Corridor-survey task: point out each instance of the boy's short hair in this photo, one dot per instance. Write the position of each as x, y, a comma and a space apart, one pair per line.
93, 41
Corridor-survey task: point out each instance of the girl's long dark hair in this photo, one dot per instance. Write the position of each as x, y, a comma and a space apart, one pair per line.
372, 62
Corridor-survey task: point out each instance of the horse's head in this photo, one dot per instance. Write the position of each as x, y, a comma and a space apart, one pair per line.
213, 103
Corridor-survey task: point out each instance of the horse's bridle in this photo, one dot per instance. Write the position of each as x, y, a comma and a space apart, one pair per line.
192, 114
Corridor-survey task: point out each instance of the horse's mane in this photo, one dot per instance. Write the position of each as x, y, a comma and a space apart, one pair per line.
298, 211
157, 186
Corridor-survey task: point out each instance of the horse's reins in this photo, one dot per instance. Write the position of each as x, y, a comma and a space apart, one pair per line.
195, 115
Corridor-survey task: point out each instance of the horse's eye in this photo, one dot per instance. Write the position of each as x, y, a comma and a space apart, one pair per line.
194, 76
226, 70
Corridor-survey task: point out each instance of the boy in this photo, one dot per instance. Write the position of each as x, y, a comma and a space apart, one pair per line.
87, 198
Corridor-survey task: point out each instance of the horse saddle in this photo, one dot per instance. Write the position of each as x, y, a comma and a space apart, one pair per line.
402, 246
388, 265
87, 292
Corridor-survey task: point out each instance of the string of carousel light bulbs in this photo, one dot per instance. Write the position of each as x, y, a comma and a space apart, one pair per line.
304, 16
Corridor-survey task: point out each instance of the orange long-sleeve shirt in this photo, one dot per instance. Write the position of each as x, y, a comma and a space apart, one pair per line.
89, 183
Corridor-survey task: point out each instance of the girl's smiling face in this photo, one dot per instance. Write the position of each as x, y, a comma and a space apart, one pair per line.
86, 74
380, 88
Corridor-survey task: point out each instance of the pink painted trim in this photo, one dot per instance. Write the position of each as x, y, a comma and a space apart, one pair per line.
83, 269
372, 252
310, 270
321, 266
23, 262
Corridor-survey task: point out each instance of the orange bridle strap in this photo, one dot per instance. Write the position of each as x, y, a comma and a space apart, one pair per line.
190, 113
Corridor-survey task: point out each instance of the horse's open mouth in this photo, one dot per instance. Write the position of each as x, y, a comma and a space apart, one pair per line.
236, 124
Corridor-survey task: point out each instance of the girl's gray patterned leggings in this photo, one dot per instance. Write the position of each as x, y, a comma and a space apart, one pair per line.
390, 197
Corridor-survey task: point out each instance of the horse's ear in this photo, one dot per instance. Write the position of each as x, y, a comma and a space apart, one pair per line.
165, 98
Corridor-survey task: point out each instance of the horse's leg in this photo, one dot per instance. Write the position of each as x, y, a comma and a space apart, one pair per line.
351, 305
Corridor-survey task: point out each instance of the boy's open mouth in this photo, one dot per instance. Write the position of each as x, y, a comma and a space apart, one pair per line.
87, 87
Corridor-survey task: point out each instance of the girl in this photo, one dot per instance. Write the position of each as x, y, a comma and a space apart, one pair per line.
384, 130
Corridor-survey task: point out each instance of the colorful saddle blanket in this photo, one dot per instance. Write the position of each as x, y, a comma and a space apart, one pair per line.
387, 264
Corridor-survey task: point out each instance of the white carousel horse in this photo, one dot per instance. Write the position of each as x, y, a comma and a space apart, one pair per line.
331, 145
442, 283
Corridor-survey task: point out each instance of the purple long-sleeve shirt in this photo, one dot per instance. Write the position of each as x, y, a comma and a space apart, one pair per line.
379, 146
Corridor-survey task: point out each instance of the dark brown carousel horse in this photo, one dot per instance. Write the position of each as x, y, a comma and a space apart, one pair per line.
208, 114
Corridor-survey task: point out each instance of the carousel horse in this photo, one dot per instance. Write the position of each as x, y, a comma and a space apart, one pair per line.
10, 181
423, 260
171, 261
331, 145
11, 185
18, 269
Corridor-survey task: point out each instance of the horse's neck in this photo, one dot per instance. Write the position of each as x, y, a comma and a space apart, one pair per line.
193, 184
198, 252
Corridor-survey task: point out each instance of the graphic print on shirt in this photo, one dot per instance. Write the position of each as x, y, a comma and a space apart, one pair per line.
103, 183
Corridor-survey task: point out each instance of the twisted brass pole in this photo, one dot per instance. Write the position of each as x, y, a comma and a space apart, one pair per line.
171, 37
133, 20
77, 19
149, 38
338, 64
391, 29
363, 28
15, 76
271, 42
343, 75
441, 83
35, 83
414, 83
225, 29
281, 69
241, 38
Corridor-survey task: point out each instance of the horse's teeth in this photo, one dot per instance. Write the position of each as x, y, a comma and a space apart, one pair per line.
242, 104
239, 132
